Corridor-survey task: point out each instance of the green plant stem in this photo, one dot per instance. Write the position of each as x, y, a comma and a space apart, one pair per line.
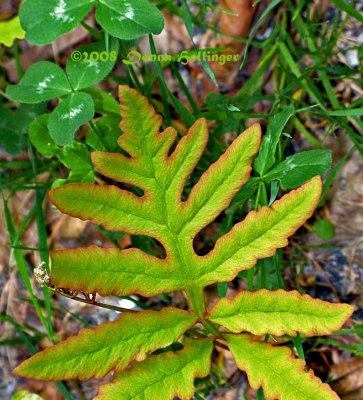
195, 297
99, 135
210, 327
304, 132
42, 243
18, 65
298, 345
15, 236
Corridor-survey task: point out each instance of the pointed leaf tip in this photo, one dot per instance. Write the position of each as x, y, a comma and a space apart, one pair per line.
274, 368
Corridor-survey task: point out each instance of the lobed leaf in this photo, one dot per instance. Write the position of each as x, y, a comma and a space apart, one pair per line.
116, 209
95, 351
280, 375
165, 376
279, 313
160, 213
11, 30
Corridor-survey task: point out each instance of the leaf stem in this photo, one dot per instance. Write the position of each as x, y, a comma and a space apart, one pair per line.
92, 302
99, 135
195, 298
210, 327
18, 65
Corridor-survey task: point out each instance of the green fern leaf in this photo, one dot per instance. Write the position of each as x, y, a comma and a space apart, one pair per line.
161, 214
160, 171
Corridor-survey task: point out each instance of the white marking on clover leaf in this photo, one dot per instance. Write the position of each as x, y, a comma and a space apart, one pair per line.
73, 112
44, 84
129, 13
93, 64
60, 12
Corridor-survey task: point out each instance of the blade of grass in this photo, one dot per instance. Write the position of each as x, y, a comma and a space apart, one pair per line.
186, 115
42, 240
32, 349
348, 9
185, 89
330, 178
188, 20
20, 260
253, 31
348, 112
299, 126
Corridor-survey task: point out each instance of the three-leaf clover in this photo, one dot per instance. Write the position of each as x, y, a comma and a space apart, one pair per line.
45, 21
45, 80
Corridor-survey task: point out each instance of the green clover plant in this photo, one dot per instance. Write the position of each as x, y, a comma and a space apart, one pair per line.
45, 21
125, 345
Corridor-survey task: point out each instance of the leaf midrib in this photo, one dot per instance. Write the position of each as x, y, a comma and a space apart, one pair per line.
87, 268
165, 376
114, 345
177, 246
249, 242
241, 313
282, 378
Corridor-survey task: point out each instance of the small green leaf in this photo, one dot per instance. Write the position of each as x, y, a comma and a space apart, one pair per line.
266, 157
129, 19
40, 138
324, 229
299, 168
41, 82
45, 21
104, 103
279, 313
274, 368
76, 157
95, 351
164, 376
12, 141
74, 111
11, 30
95, 66
14, 125
109, 129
